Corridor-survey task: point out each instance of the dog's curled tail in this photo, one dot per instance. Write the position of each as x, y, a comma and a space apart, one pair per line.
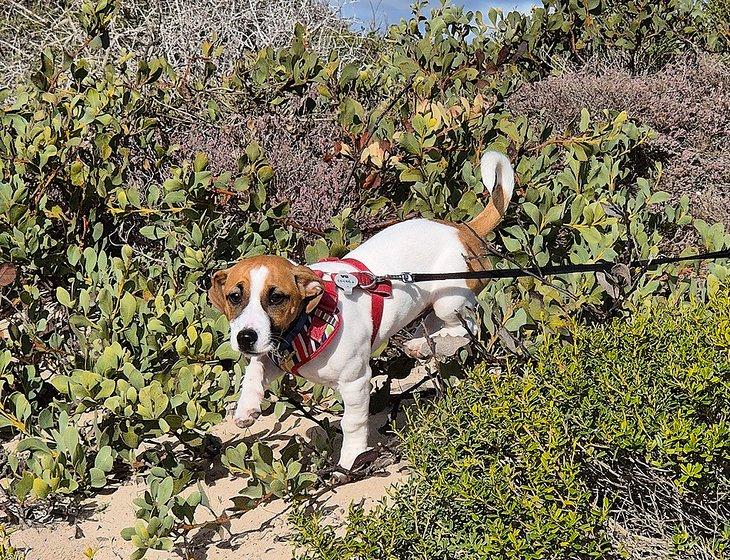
499, 178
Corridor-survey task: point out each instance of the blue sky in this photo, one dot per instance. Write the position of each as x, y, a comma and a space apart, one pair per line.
391, 11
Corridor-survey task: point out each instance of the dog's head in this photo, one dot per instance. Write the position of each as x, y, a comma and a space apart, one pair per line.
262, 296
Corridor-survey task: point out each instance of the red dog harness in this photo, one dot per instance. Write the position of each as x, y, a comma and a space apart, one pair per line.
312, 332
378, 291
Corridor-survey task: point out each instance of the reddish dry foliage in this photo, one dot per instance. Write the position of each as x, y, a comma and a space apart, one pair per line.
687, 103
301, 151
8, 273
305, 173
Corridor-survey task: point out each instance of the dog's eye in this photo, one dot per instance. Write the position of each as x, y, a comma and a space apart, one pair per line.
277, 298
235, 297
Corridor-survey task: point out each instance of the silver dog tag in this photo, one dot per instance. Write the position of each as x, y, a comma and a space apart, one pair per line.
346, 282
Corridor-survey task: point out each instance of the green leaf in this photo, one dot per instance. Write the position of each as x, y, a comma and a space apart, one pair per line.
97, 477
592, 236
293, 469
127, 308
41, 489
585, 119
164, 492
64, 298
348, 73
194, 498
554, 214
533, 212
32, 444
410, 144
104, 460
265, 174
411, 175
200, 162
511, 244
252, 491
352, 114
153, 401
24, 486
279, 409
518, 320
47, 66
73, 254
253, 151
659, 197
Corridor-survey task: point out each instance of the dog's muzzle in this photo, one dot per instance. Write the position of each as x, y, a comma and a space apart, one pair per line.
246, 339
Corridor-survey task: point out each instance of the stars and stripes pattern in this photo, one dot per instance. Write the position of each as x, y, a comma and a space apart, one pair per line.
310, 334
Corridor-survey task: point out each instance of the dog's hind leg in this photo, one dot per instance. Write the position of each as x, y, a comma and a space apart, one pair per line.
455, 313
355, 422
450, 327
418, 347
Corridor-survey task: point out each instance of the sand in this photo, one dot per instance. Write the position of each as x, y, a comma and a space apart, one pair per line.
262, 532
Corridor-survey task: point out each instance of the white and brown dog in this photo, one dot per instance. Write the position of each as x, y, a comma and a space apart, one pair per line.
268, 300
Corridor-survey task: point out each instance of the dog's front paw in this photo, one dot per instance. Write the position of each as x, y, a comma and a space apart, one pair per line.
246, 421
355, 458
245, 415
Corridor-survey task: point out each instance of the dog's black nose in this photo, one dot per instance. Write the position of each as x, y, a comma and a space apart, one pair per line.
246, 339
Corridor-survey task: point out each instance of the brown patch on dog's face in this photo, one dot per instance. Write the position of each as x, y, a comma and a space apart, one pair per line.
215, 293
285, 292
288, 291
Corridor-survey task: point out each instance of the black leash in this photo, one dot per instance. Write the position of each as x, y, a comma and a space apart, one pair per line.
603, 266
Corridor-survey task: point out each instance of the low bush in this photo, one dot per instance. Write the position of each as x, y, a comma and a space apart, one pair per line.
624, 428
112, 218
560, 34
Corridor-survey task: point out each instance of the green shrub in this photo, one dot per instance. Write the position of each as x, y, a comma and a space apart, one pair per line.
7, 552
528, 462
719, 11
646, 34
114, 361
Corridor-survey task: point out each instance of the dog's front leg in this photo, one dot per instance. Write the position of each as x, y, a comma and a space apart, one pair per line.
355, 419
259, 374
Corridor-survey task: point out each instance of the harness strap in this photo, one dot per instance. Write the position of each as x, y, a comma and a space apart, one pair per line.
378, 291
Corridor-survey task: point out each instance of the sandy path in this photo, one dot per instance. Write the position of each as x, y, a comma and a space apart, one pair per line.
262, 531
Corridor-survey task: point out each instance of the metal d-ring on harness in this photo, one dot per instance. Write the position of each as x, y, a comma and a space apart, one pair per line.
348, 281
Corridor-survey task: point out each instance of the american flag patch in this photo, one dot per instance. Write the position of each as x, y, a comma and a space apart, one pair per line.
309, 335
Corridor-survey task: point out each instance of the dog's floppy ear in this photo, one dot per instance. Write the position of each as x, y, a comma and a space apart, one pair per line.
310, 286
215, 293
